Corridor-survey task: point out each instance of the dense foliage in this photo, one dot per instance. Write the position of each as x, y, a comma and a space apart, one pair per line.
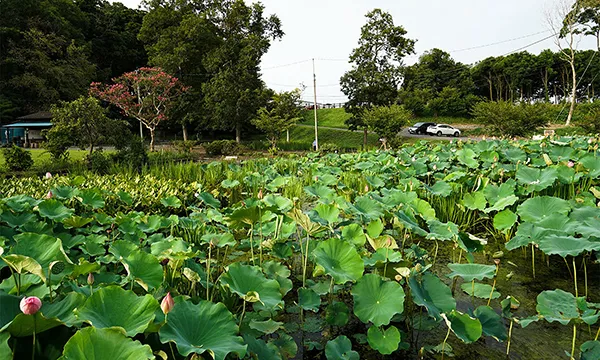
371, 254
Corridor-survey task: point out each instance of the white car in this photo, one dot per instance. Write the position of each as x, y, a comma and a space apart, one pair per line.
443, 129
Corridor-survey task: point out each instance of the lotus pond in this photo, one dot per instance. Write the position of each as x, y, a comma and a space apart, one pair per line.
482, 250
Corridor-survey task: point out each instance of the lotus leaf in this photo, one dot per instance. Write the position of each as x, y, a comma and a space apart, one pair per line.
91, 198
171, 202
260, 349
250, 284
385, 341
482, 291
340, 348
536, 179
590, 350
491, 323
474, 201
337, 314
104, 344
505, 220
144, 268
429, 291
538, 208
463, 326
266, 327
54, 210
376, 300
5, 350
205, 327
470, 272
113, 306
441, 188
308, 299
339, 260
354, 234
563, 307
329, 213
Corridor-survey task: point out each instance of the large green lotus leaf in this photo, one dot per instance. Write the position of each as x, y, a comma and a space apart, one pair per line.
320, 191
354, 234
375, 181
367, 208
470, 272
474, 201
429, 291
91, 198
113, 306
5, 351
219, 240
278, 202
491, 323
376, 300
76, 222
590, 350
501, 204
540, 207
557, 305
329, 213
442, 231
308, 299
209, 200
144, 268
410, 223
24, 325
385, 341
16, 220
375, 228
172, 201
467, 157
65, 192
566, 245
441, 188
592, 163
266, 327
339, 260
54, 210
9, 308
44, 249
63, 309
424, 209
464, 327
260, 349
104, 344
20, 203
495, 193
250, 284
340, 348
482, 291
536, 179
504, 220
528, 233
205, 327
151, 224
22, 264
337, 314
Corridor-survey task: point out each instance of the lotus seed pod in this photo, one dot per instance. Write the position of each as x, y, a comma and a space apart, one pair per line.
30, 305
167, 304
57, 267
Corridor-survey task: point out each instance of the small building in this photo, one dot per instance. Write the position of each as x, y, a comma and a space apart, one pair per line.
27, 130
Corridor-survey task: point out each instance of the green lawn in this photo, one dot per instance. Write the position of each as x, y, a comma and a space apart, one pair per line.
40, 156
340, 138
327, 117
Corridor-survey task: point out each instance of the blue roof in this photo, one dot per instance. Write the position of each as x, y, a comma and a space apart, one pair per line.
28, 124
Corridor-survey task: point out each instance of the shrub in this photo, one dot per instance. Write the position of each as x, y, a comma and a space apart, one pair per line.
132, 152
587, 116
184, 147
223, 147
98, 162
58, 144
17, 159
387, 121
507, 119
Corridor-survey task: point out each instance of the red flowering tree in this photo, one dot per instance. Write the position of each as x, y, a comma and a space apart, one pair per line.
146, 94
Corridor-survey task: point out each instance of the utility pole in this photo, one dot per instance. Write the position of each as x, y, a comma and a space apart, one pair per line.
315, 107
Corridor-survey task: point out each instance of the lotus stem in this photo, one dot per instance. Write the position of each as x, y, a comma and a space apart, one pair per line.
242, 317
208, 271
568, 267
34, 330
492, 292
575, 277
573, 343
585, 279
597, 334
473, 292
172, 352
305, 260
444, 343
533, 259
436, 251
509, 337
387, 254
260, 249
50, 284
331, 291
252, 244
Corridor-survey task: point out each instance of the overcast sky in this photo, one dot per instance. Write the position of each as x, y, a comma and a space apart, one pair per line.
328, 30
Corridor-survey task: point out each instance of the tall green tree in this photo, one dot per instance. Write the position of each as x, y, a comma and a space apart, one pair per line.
85, 123
235, 91
377, 65
280, 115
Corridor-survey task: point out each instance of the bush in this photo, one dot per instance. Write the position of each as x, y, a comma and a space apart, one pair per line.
58, 144
507, 119
184, 147
98, 162
587, 117
387, 121
223, 147
17, 159
132, 152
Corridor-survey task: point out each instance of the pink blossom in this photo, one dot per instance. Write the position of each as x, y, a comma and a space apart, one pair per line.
30, 305
48, 175
49, 195
167, 304
571, 163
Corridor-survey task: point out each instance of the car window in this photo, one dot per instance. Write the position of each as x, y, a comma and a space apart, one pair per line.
418, 124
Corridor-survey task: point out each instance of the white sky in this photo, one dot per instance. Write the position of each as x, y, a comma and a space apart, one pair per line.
329, 29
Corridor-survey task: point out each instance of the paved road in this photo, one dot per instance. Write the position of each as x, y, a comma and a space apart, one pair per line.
403, 133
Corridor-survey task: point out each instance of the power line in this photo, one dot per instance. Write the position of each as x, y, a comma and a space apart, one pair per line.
286, 65
499, 42
530, 45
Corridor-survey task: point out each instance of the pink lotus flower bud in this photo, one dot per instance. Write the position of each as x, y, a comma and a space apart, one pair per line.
366, 188
49, 195
571, 163
90, 279
167, 304
48, 175
30, 305
260, 194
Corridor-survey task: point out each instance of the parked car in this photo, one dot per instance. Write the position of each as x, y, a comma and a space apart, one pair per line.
443, 129
420, 128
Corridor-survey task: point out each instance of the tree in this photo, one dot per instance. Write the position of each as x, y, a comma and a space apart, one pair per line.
147, 95
386, 121
587, 14
84, 122
282, 114
376, 67
563, 22
235, 92
507, 119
